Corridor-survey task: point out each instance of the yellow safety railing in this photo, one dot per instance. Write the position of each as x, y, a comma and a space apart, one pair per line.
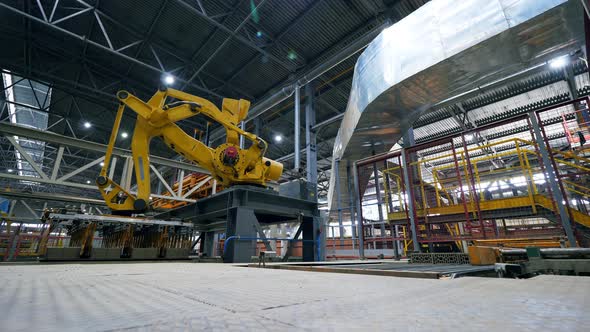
433, 192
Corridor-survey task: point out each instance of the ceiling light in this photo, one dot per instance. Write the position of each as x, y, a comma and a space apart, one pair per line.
87, 181
101, 163
558, 62
10, 170
278, 138
87, 125
124, 135
169, 79
259, 34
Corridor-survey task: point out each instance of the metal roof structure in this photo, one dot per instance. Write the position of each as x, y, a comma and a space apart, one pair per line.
84, 51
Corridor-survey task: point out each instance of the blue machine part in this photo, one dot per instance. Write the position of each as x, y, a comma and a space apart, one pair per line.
4, 205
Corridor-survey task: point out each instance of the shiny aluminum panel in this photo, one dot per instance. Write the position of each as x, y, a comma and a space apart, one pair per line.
443, 49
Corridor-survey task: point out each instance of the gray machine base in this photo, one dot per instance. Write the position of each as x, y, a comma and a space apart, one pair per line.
241, 211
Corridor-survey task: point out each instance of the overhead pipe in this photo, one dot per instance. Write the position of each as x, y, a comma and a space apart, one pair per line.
271, 101
328, 121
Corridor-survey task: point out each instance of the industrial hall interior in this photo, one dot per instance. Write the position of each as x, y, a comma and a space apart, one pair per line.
294, 165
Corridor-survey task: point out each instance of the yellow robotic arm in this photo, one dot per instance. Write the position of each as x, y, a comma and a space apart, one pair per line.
227, 162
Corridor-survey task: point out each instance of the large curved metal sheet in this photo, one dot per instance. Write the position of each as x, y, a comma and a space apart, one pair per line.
443, 49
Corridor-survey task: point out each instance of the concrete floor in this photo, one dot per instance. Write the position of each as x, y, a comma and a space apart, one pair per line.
192, 296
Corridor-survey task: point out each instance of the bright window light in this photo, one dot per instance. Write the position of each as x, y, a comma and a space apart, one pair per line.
169, 79
33, 98
124, 135
278, 138
468, 137
87, 125
558, 62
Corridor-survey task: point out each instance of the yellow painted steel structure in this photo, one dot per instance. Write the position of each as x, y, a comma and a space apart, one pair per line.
497, 204
227, 163
443, 188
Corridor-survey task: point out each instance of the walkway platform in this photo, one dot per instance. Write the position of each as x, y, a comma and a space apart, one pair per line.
497, 208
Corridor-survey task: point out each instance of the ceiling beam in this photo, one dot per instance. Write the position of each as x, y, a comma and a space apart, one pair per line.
88, 42
241, 39
50, 137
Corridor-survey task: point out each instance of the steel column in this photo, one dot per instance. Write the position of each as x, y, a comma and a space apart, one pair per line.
310, 136
471, 183
338, 203
258, 127
552, 179
409, 141
379, 203
361, 232
297, 128
349, 175
387, 180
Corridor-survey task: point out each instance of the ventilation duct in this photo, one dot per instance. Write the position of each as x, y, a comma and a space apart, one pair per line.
443, 49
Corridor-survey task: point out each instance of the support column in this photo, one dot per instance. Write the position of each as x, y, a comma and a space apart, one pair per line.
240, 222
551, 178
570, 78
350, 183
394, 233
336, 171
409, 141
359, 215
460, 224
310, 136
296, 128
311, 239
379, 202
257, 126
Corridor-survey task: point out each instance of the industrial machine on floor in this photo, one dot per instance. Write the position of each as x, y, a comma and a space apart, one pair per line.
239, 212
105, 237
228, 163
564, 261
531, 261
